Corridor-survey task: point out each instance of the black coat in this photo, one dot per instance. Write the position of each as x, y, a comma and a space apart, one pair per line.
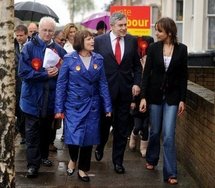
158, 83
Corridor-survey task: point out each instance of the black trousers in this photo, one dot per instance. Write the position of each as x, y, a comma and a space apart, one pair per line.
53, 135
105, 124
37, 134
141, 125
82, 155
120, 123
20, 121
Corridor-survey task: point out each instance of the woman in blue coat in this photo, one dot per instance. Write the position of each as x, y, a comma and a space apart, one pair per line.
82, 91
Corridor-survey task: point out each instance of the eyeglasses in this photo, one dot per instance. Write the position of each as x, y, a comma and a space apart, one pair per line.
63, 40
47, 31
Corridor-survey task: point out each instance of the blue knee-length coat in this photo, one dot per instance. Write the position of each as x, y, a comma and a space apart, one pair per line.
80, 95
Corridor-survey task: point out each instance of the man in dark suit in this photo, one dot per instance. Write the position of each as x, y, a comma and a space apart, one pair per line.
21, 33
123, 74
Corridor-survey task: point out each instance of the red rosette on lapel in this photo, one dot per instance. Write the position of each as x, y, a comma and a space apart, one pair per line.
142, 45
36, 63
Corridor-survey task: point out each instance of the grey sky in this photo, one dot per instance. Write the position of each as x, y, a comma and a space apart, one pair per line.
60, 8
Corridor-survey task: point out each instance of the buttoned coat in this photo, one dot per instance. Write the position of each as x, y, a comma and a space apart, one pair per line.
80, 95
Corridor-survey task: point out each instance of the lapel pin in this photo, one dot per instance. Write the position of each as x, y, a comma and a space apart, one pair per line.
78, 68
95, 66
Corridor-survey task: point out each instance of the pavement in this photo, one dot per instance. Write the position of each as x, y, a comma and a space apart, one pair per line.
102, 174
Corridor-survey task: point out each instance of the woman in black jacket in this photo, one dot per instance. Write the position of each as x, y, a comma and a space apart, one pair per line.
164, 89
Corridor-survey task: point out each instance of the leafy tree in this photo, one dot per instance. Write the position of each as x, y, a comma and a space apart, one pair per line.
7, 95
79, 7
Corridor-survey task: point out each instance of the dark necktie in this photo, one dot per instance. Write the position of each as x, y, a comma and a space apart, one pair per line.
118, 51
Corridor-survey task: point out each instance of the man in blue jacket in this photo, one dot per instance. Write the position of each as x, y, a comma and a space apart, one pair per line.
38, 93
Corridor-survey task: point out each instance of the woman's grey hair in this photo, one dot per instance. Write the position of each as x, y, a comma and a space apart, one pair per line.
116, 16
48, 19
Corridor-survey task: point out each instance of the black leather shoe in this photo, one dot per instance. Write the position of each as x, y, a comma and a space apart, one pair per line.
119, 169
98, 155
32, 172
83, 178
46, 162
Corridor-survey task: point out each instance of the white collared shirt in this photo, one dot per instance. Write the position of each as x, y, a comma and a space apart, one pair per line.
22, 45
113, 39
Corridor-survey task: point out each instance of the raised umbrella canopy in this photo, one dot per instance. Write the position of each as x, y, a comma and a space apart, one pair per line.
91, 21
33, 11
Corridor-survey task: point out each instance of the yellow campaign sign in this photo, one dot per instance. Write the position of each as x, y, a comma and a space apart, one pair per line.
138, 19
139, 32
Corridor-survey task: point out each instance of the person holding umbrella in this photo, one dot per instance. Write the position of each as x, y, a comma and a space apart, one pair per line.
32, 28
38, 92
101, 28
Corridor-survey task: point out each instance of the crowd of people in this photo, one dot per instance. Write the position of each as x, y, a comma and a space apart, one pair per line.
95, 83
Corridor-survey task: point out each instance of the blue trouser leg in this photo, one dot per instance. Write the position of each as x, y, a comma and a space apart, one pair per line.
169, 150
153, 150
163, 117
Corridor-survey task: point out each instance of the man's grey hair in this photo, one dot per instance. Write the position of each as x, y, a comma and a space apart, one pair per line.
116, 16
47, 19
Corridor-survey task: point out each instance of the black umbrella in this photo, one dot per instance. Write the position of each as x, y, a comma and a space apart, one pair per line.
33, 11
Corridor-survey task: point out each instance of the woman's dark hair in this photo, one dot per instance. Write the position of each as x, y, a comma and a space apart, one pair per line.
79, 39
169, 27
101, 25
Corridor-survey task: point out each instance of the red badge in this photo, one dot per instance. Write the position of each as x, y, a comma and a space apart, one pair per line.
36, 63
142, 45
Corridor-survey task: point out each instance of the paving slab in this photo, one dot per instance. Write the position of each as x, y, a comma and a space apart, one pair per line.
102, 174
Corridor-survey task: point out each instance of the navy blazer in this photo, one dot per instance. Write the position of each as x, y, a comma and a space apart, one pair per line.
121, 77
158, 83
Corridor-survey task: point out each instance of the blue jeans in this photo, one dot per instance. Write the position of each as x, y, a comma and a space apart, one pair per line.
163, 119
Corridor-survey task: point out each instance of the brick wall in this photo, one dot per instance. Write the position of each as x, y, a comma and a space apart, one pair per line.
204, 76
195, 135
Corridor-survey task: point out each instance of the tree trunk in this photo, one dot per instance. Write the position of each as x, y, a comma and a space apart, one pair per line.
7, 94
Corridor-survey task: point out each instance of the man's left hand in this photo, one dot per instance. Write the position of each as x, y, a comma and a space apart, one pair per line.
135, 90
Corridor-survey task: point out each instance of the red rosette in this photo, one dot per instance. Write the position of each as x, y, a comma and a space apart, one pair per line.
142, 45
36, 63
